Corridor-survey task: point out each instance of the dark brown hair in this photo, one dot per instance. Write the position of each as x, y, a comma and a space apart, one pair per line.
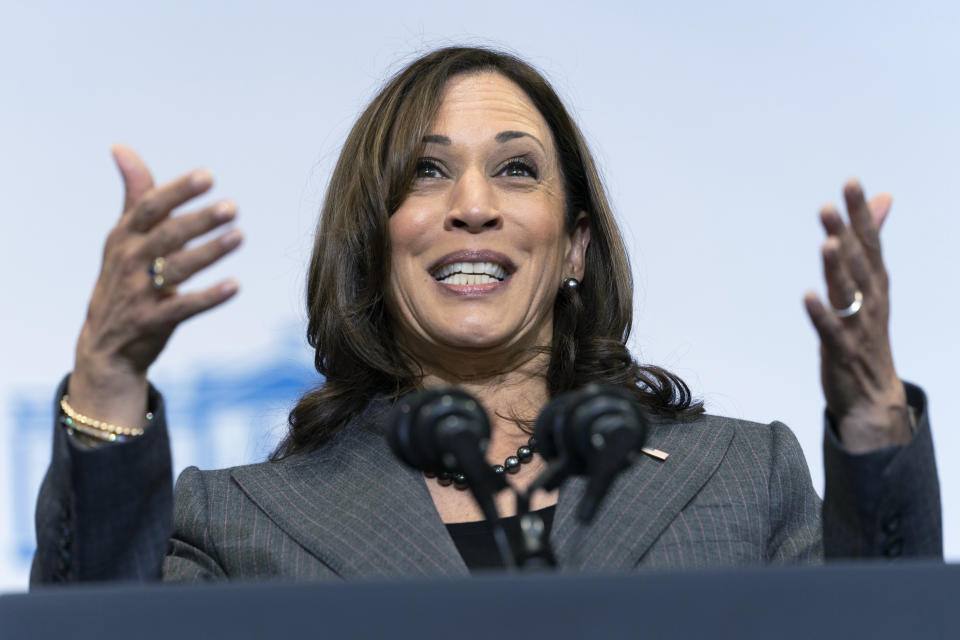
349, 325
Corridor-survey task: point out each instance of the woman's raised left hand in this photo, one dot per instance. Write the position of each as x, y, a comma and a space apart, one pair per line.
864, 395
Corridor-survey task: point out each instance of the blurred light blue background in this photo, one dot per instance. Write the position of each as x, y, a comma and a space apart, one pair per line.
720, 129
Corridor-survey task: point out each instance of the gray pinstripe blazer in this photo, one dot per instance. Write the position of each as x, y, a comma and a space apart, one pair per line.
731, 493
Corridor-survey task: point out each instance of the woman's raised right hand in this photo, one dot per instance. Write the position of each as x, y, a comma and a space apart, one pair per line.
129, 319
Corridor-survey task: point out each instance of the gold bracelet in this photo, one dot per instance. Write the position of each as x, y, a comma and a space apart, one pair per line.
74, 419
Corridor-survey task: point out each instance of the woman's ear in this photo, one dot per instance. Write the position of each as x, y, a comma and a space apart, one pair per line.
577, 253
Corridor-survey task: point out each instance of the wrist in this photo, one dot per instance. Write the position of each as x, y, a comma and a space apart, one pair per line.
77, 423
109, 392
886, 422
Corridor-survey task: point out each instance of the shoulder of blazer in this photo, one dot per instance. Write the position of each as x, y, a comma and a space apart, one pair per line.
651, 493
353, 505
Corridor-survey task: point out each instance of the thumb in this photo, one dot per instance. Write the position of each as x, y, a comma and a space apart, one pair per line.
879, 206
136, 176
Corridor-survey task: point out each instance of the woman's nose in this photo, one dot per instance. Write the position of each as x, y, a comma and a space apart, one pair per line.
473, 205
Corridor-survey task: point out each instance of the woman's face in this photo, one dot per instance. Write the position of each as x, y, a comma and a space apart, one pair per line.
479, 246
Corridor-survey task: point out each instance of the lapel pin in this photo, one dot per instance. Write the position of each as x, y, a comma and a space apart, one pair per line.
655, 453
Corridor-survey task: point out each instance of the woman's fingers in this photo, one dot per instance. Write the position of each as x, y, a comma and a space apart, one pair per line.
136, 176
174, 232
183, 264
879, 206
841, 288
845, 266
157, 203
831, 221
828, 326
862, 222
176, 309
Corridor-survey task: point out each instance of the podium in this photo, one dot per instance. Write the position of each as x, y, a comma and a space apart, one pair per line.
904, 601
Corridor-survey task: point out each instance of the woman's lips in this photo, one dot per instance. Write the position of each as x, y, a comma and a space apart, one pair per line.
469, 272
473, 256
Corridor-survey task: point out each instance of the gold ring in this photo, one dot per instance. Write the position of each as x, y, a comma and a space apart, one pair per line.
156, 272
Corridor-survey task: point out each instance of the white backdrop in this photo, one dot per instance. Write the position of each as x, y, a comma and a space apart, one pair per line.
720, 129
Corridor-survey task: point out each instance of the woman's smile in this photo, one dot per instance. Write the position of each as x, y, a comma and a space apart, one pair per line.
473, 272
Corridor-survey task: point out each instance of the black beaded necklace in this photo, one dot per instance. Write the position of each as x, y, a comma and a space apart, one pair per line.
510, 465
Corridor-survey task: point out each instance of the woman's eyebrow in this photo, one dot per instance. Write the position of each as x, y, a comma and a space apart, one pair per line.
436, 139
503, 136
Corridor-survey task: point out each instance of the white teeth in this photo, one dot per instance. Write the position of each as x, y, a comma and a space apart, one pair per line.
468, 278
471, 273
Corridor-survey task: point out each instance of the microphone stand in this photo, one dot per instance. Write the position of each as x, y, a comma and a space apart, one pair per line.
484, 482
537, 554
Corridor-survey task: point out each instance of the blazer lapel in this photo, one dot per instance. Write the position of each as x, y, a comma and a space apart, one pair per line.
643, 501
355, 507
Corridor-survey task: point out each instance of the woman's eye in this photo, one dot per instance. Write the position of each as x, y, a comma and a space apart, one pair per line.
427, 169
519, 169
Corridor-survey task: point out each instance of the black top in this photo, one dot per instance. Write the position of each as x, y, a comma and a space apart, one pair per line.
474, 540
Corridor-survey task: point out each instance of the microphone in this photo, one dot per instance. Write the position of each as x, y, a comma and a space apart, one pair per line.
595, 431
446, 430
423, 424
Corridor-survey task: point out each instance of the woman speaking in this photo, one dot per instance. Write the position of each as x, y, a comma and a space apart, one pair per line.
465, 240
